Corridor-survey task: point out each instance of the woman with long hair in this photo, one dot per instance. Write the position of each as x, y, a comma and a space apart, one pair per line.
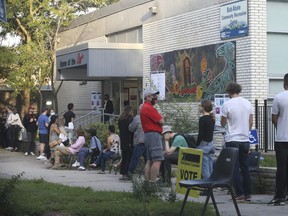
205, 137
126, 138
53, 132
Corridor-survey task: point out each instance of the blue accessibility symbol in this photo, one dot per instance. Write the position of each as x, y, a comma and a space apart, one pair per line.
253, 137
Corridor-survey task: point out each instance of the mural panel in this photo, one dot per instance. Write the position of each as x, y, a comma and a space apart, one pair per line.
197, 73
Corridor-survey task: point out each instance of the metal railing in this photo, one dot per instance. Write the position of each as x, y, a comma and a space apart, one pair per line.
263, 123
85, 120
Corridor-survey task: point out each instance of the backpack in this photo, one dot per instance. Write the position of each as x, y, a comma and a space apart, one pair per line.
190, 139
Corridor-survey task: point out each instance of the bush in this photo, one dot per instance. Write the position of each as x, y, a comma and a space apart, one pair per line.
102, 131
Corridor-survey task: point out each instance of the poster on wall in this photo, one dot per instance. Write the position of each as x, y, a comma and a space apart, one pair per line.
196, 73
158, 82
95, 100
219, 100
234, 19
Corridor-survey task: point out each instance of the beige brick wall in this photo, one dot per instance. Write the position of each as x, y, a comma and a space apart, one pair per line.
200, 28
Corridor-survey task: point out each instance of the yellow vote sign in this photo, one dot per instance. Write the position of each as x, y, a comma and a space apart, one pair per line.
189, 168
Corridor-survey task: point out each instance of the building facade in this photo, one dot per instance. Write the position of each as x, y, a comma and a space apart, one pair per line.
124, 41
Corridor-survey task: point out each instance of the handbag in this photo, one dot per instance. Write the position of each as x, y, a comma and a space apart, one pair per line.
70, 126
53, 143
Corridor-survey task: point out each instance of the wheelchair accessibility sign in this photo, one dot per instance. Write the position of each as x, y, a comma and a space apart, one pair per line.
253, 137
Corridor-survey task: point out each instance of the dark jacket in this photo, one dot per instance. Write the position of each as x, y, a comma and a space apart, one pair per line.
30, 126
126, 137
109, 107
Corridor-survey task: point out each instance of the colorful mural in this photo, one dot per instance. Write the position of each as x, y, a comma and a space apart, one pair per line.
199, 72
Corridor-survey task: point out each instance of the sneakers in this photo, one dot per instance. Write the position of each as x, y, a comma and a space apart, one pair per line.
277, 202
9, 148
81, 168
240, 198
32, 153
41, 157
102, 172
124, 178
26, 153
76, 164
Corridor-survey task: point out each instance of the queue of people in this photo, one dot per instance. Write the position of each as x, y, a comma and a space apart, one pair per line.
147, 135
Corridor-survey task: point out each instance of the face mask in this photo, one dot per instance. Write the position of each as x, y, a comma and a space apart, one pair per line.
154, 101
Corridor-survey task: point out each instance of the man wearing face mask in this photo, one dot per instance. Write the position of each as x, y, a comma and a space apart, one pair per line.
152, 123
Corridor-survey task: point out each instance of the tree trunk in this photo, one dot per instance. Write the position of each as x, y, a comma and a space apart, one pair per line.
25, 99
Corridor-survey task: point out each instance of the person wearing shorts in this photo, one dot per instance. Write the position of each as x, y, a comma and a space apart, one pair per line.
152, 123
43, 123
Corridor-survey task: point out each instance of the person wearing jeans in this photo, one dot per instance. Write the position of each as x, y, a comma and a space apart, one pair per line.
205, 138
243, 164
112, 147
138, 142
237, 114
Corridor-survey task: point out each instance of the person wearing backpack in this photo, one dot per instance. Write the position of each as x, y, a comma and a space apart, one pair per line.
173, 142
205, 138
95, 149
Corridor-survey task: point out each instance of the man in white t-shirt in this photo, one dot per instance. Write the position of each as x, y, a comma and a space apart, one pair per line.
237, 114
280, 121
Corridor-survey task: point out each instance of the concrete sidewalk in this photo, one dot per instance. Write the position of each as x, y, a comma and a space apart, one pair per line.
13, 163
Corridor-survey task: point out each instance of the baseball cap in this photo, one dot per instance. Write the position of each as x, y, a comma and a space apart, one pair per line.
148, 92
166, 129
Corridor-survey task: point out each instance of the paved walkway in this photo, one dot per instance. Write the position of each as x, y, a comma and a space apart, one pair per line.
13, 163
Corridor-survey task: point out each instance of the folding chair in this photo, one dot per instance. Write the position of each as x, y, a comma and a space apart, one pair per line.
254, 161
222, 177
115, 160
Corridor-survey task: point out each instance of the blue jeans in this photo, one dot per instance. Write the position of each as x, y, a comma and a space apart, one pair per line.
208, 150
102, 158
242, 186
138, 151
83, 153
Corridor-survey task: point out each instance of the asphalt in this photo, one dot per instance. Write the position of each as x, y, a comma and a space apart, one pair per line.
13, 163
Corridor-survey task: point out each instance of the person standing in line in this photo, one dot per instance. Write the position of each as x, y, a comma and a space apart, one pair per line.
138, 142
126, 139
8, 127
69, 117
29, 122
152, 122
108, 108
43, 123
15, 127
237, 114
280, 121
205, 138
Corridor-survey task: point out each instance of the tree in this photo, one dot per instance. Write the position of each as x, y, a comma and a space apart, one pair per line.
38, 23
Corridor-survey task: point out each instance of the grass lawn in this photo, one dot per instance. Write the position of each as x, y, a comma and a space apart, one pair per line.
269, 160
37, 197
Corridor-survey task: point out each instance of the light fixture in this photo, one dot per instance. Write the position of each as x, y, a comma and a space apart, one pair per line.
48, 103
84, 82
153, 10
